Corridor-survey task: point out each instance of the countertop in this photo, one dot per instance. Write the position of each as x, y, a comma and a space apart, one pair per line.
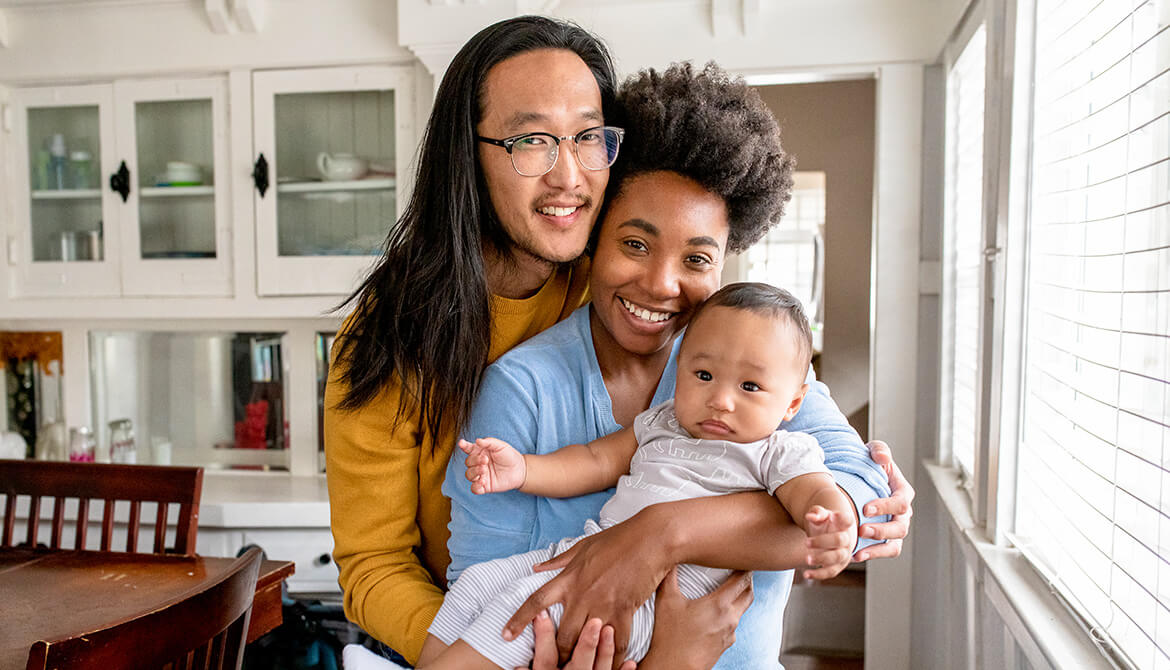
263, 500
233, 500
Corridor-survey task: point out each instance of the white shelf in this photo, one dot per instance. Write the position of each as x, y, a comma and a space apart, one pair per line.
175, 191
68, 194
378, 184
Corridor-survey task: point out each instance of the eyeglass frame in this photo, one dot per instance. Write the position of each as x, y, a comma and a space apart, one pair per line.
509, 142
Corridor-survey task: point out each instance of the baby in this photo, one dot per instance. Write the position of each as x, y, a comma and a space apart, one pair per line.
741, 370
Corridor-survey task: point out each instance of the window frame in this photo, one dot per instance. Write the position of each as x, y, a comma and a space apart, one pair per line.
1007, 218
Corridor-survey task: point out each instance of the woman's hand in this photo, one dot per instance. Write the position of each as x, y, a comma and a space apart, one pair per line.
594, 650
693, 634
897, 505
590, 587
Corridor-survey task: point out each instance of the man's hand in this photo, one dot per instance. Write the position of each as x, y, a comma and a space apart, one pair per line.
493, 465
897, 505
594, 650
831, 536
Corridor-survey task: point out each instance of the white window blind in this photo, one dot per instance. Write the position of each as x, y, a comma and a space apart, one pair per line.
963, 214
1093, 478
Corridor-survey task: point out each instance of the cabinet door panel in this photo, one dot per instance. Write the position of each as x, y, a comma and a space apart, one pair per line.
65, 216
175, 229
334, 141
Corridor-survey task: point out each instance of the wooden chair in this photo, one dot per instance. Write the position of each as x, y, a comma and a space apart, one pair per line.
164, 485
206, 628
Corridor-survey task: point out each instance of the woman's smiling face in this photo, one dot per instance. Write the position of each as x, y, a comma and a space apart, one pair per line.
659, 254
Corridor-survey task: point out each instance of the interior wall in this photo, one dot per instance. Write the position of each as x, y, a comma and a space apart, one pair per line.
829, 127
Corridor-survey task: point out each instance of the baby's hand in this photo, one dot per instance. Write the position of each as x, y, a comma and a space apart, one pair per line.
831, 536
493, 465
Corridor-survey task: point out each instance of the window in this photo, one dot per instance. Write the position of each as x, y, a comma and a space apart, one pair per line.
792, 254
1093, 471
963, 249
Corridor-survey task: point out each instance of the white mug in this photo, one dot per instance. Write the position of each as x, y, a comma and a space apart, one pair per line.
341, 167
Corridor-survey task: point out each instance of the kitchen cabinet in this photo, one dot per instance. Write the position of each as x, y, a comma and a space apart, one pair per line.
123, 190
126, 189
330, 145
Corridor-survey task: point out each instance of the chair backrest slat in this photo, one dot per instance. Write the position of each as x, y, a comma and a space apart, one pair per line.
170, 633
160, 528
34, 520
132, 526
107, 525
82, 523
58, 522
187, 524
107, 483
200, 657
9, 521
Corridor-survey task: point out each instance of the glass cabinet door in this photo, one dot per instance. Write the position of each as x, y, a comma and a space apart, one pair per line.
172, 142
330, 146
64, 137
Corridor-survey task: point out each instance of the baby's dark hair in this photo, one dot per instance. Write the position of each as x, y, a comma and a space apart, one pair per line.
710, 127
766, 299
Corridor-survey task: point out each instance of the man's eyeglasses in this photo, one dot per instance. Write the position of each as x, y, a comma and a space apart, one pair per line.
534, 154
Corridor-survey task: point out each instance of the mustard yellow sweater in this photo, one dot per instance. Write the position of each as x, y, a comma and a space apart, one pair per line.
388, 516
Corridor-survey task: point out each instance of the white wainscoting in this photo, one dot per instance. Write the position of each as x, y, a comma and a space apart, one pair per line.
981, 606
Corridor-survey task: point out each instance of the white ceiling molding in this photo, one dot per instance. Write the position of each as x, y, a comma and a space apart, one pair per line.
435, 57
733, 18
219, 17
536, 6
5, 37
448, 3
751, 16
723, 23
249, 14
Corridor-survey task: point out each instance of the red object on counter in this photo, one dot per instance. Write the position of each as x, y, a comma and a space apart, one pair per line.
251, 432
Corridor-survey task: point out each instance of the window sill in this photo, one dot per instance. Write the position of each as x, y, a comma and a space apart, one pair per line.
1047, 633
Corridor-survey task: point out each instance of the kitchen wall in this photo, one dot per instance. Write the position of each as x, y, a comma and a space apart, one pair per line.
829, 127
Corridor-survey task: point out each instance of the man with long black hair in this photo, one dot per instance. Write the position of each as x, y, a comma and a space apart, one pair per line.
511, 176
512, 173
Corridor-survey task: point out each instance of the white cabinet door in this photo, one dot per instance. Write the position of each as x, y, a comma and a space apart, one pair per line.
175, 225
97, 212
64, 237
321, 221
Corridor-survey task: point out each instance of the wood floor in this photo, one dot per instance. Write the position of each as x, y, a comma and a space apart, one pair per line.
802, 662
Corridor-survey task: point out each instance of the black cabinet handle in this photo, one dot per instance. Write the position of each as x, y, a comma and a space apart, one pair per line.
260, 175
120, 181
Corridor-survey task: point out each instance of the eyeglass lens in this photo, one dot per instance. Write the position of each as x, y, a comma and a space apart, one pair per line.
535, 155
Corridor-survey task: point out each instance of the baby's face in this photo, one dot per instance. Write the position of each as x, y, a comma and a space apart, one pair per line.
738, 376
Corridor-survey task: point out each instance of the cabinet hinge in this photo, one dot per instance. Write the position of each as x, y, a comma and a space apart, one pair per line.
13, 256
6, 117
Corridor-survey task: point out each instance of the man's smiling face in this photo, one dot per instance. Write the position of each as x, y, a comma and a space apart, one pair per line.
547, 218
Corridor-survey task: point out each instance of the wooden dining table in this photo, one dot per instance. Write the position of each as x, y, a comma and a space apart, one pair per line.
49, 594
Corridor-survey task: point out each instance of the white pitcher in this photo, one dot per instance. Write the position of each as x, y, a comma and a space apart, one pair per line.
341, 167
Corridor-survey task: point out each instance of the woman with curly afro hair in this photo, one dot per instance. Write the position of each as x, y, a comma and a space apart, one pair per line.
702, 174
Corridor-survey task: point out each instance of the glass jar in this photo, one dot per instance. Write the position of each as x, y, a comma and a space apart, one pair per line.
82, 445
122, 448
81, 170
